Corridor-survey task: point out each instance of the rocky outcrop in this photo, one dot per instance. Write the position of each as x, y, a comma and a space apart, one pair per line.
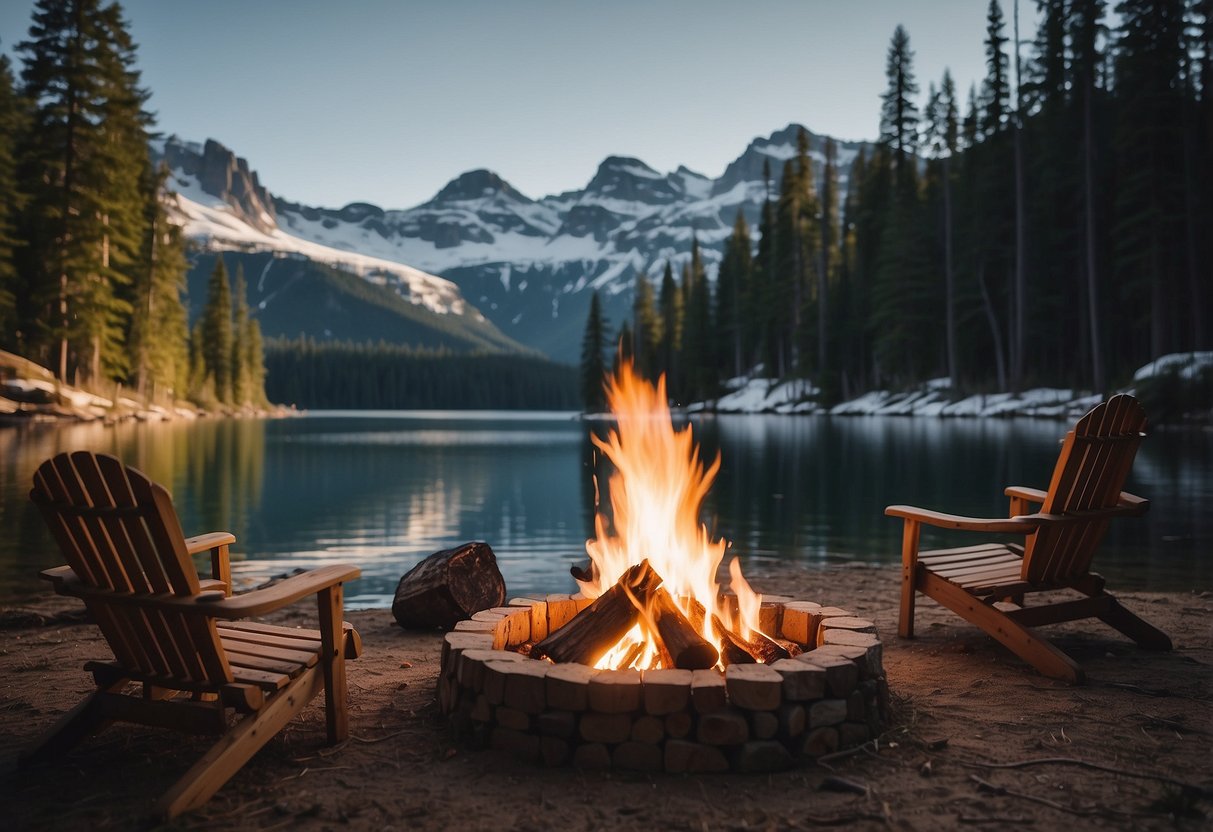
223, 174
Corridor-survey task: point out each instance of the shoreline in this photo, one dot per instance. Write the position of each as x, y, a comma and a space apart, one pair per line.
963, 710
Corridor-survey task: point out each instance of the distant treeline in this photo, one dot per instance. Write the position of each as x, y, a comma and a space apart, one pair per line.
1054, 228
343, 375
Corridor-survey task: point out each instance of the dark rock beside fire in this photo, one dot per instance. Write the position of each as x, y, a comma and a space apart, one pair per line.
449, 586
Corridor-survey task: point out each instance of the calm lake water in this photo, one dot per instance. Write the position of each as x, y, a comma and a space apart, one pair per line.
384, 489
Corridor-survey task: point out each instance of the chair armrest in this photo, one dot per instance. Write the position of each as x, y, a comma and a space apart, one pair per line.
284, 593
212, 604
1023, 498
1132, 505
1004, 525
217, 543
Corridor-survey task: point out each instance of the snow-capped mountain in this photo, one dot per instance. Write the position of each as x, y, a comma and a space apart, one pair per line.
529, 265
223, 207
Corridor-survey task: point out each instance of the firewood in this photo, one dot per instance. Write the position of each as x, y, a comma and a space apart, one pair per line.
737, 650
682, 646
597, 628
449, 586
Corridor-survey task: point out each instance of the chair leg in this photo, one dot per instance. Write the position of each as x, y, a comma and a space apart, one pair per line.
905, 622
238, 745
1136, 628
909, 570
1019, 639
332, 661
76, 725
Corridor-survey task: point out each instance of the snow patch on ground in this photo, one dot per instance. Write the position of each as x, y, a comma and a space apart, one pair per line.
747, 394
1186, 364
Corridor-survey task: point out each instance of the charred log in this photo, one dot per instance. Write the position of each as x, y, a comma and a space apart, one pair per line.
449, 586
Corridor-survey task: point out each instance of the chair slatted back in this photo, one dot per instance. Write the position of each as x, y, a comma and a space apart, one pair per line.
1091, 471
119, 532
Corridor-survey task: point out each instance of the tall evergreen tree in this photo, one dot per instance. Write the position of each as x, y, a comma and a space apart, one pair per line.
242, 393
669, 306
1149, 198
763, 306
734, 282
996, 90
13, 119
158, 330
216, 332
646, 328
593, 366
697, 332
82, 169
899, 113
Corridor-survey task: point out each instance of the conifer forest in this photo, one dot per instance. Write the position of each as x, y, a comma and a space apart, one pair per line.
1052, 226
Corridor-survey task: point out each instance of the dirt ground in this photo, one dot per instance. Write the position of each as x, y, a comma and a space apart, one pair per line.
978, 740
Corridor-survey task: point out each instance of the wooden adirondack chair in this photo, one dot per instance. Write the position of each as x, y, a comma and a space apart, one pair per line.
178, 637
986, 584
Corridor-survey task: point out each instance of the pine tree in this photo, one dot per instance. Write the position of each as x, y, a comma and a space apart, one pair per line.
734, 283
13, 119
254, 361
593, 367
242, 392
82, 168
762, 308
697, 335
669, 305
158, 338
216, 333
899, 114
996, 91
828, 243
1148, 205
646, 328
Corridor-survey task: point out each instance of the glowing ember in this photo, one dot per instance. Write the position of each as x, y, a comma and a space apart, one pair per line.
656, 495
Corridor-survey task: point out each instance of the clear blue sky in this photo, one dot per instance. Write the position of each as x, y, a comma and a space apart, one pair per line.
385, 101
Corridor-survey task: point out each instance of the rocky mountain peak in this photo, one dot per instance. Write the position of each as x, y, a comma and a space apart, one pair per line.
629, 179
226, 176
474, 185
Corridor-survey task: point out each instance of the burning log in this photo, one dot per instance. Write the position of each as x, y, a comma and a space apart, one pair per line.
733, 648
597, 628
681, 645
637, 596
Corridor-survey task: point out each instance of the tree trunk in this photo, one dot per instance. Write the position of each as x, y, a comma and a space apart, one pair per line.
949, 275
1018, 343
995, 330
1097, 369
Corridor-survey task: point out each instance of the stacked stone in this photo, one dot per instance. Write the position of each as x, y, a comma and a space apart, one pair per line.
751, 718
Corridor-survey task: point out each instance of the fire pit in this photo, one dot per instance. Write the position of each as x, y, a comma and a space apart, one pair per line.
653, 665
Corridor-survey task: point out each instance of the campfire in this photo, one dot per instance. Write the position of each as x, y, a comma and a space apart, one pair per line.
653, 564
654, 664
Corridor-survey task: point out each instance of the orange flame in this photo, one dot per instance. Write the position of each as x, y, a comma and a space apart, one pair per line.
656, 494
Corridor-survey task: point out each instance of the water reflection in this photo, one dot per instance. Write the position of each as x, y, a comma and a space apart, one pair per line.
385, 489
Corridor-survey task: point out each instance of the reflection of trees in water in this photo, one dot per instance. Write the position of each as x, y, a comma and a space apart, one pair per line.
213, 467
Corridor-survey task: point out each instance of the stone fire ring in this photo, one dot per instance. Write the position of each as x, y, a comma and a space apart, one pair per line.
750, 718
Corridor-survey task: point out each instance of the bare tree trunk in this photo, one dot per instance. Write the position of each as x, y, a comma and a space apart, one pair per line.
1000, 361
1088, 166
949, 275
1021, 279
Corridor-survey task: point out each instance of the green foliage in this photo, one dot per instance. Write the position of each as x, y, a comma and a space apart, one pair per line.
82, 164
593, 366
216, 332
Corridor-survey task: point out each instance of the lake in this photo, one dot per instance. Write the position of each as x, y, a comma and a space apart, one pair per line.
385, 489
